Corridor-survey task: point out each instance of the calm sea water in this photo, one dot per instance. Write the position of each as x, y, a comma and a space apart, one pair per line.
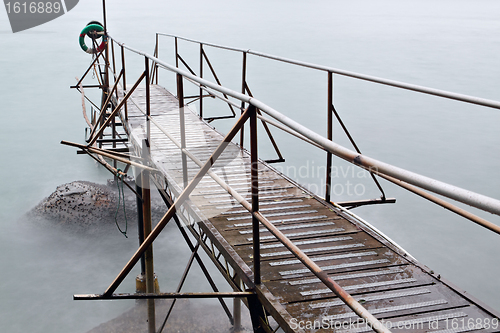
450, 45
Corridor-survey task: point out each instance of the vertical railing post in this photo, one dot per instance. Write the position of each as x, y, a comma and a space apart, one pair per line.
124, 80
176, 54
180, 96
105, 89
148, 255
113, 56
243, 91
255, 192
148, 102
157, 56
330, 137
201, 76
140, 219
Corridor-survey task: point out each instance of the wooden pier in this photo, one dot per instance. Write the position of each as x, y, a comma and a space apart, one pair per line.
392, 285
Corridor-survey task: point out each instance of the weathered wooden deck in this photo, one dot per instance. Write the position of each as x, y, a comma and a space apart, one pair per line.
389, 283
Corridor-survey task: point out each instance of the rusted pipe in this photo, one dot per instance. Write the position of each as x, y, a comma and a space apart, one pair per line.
462, 212
105, 154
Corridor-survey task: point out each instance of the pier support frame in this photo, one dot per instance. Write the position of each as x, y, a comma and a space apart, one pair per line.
148, 255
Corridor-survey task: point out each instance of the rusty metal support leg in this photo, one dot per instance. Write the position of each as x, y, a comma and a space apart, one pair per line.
255, 192
330, 137
237, 308
148, 255
113, 136
140, 220
257, 314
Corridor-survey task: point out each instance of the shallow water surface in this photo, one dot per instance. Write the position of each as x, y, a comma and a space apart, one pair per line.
450, 45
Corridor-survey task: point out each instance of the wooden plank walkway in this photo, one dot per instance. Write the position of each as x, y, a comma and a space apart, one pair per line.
389, 283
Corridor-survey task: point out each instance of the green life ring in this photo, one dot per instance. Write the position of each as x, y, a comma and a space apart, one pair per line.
90, 30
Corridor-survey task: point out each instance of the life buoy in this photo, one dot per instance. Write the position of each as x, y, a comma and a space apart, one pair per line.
91, 30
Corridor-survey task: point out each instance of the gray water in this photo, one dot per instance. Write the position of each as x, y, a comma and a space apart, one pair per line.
450, 45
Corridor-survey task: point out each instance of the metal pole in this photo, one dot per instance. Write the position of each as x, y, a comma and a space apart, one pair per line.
201, 75
124, 80
148, 255
176, 54
180, 96
148, 102
157, 55
140, 220
330, 137
243, 90
237, 308
104, 15
105, 90
113, 56
474, 218
255, 192
205, 295
113, 135
113, 122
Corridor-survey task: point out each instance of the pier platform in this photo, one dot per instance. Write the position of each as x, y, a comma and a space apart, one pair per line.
387, 281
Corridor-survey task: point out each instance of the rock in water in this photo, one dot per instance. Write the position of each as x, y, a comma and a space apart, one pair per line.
87, 205
78, 203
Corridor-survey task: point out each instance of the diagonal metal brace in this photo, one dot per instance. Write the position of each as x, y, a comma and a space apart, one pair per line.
115, 111
170, 213
103, 108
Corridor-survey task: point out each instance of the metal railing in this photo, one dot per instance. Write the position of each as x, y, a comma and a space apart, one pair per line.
407, 179
393, 83
468, 197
